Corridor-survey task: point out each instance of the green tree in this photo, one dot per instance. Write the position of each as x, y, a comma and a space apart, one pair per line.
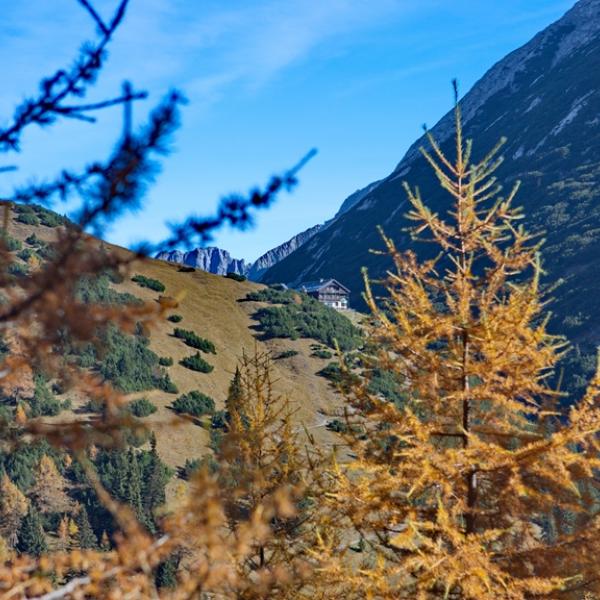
194, 340
141, 407
156, 478
166, 572
30, 538
86, 537
196, 363
194, 403
133, 487
235, 393
43, 402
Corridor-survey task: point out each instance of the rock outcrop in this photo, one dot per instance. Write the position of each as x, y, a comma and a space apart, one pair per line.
211, 259
218, 261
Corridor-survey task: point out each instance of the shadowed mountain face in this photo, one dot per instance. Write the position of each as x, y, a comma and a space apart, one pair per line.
272, 257
545, 98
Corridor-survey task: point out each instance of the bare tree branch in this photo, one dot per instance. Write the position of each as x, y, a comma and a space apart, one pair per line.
234, 210
73, 82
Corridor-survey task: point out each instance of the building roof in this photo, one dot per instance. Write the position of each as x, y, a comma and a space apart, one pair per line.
315, 286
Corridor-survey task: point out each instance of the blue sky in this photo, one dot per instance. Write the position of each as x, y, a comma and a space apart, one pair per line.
266, 81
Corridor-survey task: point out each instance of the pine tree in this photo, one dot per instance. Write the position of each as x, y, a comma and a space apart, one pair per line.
156, 477
132, 489
166, 573
86, 538
235, 392
450, 491
13, 507
133, 483
30, 537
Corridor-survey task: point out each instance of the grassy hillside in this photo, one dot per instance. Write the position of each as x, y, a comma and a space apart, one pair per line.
212, 307
215, 308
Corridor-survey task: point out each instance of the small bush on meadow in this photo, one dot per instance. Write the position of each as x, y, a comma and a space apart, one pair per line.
194, 340
196, 363
194, 403
18, 270
141, 407
26, 214
287, 354
148, 282
236, 277
26, 254
10, 242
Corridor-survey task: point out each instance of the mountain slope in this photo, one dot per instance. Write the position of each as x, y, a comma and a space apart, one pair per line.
277, 254
212, 307
545, 97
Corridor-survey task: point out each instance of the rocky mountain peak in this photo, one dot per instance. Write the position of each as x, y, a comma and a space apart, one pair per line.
272, 257
218, 261
211, 259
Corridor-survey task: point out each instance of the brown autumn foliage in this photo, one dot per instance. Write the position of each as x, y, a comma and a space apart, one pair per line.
479, 485
13, 507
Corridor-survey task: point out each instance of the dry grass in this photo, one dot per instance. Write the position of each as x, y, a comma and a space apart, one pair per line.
212, 306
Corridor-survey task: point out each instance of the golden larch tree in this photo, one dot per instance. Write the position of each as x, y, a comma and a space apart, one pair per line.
264, 475
477, 485
63, 533
13, 507
49, 490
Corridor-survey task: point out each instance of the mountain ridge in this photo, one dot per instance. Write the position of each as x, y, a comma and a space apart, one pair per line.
264, 262
502, 72
545, 98
210, 259
220, 262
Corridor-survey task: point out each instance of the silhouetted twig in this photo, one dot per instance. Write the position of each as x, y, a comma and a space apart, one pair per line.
235, 210
47, 106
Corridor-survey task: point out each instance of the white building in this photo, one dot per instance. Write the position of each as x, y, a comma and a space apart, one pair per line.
328, 291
